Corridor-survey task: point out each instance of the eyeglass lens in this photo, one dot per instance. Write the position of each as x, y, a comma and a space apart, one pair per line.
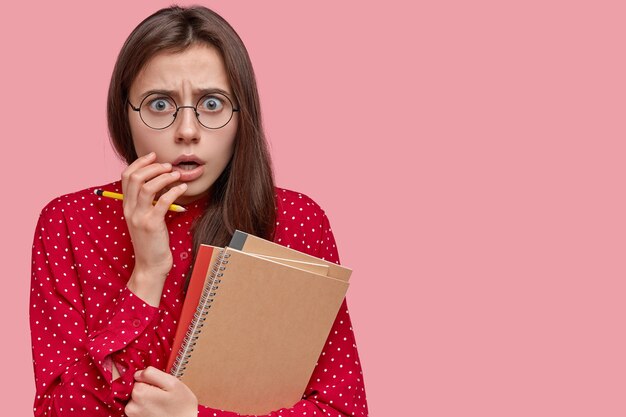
159, 111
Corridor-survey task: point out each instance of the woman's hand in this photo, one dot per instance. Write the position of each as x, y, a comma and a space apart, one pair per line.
142, 181
158, 394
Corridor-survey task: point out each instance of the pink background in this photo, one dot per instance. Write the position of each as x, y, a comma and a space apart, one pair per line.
470, 156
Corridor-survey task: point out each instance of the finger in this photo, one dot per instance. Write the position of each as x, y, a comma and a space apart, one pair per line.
141, 175
156, 378
132, 409
135, 165
140, 391
144, 393
156, 186
168, 198
136, 181
129, 171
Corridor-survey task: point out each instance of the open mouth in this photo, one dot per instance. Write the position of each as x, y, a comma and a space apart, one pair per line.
189, 170
187, 166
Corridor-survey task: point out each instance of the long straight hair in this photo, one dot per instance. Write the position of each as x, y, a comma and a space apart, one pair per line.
242, 197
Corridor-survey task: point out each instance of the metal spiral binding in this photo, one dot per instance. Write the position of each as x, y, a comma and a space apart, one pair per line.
208, 293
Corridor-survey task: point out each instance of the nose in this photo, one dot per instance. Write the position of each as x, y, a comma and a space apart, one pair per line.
187, 125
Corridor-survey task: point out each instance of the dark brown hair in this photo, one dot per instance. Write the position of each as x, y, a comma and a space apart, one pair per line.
243, 196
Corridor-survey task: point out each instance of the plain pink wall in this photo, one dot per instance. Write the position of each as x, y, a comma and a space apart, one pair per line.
470, 156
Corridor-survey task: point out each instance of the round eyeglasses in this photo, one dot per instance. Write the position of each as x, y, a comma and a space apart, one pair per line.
159, 111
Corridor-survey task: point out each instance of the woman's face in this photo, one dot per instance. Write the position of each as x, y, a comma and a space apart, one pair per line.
199, 153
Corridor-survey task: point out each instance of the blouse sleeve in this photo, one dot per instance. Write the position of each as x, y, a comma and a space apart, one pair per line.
73, 363
336, 387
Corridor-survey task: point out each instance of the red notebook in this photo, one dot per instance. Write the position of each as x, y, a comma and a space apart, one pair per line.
194, 292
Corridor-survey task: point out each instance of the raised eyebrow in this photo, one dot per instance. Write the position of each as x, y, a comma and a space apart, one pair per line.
205, 91
197, 92
164, 92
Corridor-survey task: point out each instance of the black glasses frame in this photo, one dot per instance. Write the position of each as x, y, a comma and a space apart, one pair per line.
195, 110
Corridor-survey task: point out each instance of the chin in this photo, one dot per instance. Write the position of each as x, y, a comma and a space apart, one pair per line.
193, 192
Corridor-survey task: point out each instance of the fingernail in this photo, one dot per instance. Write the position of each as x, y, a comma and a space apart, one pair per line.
166, 165
150, 155
183, 185
136, 374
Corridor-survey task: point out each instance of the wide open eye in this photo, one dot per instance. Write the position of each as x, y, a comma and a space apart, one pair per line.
211, 104
160, 104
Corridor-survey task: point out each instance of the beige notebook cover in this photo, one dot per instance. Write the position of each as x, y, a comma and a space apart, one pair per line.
260, 328
253, 244
319, 269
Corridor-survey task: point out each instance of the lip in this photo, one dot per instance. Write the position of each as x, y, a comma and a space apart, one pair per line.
188, 158
187, 175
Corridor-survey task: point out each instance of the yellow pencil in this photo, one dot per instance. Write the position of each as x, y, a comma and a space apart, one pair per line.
118, 196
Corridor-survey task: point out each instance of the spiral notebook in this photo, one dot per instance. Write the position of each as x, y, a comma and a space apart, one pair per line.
258, 325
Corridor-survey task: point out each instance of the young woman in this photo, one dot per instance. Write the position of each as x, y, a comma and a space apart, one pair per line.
108, 277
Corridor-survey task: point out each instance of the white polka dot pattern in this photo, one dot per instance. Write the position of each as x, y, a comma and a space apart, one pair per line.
83, 317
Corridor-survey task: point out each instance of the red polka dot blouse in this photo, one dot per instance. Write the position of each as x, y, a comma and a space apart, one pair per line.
83, 317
